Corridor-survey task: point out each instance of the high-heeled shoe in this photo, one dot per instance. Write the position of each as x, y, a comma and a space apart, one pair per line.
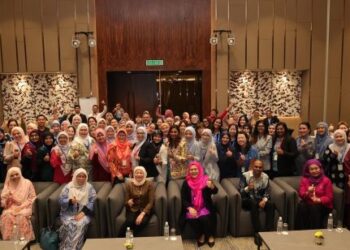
199, 244
211, 243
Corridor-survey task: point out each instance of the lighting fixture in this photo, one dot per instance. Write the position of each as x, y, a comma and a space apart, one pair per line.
75, 42
214, 39
91, 41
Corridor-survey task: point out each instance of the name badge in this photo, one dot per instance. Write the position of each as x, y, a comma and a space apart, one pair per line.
124, 162
317, 156
275, 156
340, 167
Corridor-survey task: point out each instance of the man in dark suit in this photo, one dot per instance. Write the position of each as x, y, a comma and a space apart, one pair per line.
77, 112
270, 119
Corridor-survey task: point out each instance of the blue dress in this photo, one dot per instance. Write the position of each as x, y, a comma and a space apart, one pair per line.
72, 232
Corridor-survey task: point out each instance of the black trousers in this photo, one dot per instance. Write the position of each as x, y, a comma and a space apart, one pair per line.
310, 216
253, 207
130, 222
203, 225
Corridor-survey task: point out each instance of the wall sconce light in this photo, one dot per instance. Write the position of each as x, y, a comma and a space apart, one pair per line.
214, 39
89, 34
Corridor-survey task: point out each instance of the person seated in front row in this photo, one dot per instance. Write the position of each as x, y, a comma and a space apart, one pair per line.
77, 203
316, 193
197, 206
255, 193
139, 201
17, 199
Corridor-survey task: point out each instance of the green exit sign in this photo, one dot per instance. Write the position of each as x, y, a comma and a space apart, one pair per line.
154, 62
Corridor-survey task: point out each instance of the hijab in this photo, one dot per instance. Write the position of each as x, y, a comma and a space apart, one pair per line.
101, 149
139, 144
80, 192
306, 172
322, 141
63, 149
18, 190
86, 140
23, 140
110, 139
122, 148
197, 184
341, 149
48, 134
139, 183
192, 142
131, 137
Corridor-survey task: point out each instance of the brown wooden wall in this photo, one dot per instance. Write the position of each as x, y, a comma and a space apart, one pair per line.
130, 32
35, 36
287, 34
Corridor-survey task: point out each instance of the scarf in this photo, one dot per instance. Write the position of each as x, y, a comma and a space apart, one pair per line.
86, 140
18, 190
101, 149
138, 145
315, 180
122, 148
81, 193
110, 139
48, 147
322, 141
139, 183
197, 184
190, 143
341, 149
63, 150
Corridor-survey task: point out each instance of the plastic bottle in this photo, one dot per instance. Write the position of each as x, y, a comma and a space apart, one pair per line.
166, 231
15, 233
330, 222
128, 235
279, 225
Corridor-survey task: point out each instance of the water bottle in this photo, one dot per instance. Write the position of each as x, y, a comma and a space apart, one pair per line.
15, 233
330, 222
279, 225
166, 231
128, 235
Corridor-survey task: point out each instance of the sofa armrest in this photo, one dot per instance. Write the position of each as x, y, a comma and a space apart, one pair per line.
115, 201
278, 196
100, 207
338, 202
174, 203
220, 201
53, 206
160, 204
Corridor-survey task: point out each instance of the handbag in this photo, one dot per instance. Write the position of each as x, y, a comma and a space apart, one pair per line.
49, 239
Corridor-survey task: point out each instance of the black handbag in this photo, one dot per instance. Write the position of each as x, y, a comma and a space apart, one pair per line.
49, 239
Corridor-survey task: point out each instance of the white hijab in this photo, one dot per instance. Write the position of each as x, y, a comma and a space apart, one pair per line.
81, 193
140, 183
341, 149
87, 140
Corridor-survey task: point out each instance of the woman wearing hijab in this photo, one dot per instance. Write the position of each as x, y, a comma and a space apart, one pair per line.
139, 201
3, 166
43, 158
29, 152
17, 198
130, 129
322, 141
336, 157
177, 153
147, 153
141, 138
77, 203
78, 154
316, 193
98, 157
161, 157
101, 123
119, 157
110, 134
226, 163
305, 145
197, 206
13, 149
59, 160
192, 153
208, 155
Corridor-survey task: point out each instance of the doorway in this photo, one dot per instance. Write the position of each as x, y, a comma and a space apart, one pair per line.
139, 91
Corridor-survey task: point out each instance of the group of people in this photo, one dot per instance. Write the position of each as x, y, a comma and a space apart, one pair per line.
109, 146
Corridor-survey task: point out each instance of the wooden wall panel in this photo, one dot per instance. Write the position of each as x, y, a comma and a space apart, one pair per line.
238, 26
318, 60
33, 35
279, 35
50, 33
213, 56
20, 41
252, 34
290, 41
303, 35
305, 96
8, 36
345, 86
179, 36
266, 14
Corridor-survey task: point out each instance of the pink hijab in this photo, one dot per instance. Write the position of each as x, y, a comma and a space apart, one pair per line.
197, 184
101, 149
